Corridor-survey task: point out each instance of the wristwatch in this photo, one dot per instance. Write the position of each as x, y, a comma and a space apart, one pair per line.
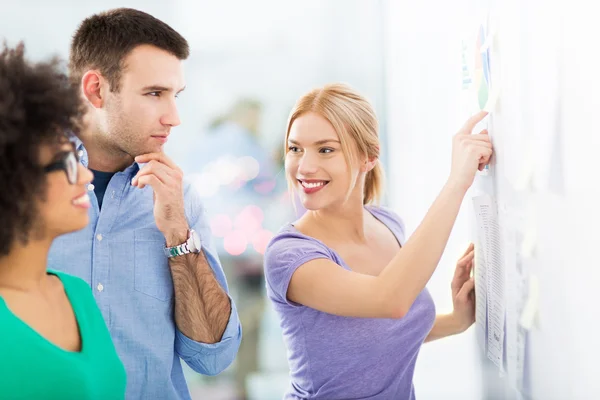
192, 245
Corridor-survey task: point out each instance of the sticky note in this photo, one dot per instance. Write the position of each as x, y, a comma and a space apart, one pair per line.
530, 310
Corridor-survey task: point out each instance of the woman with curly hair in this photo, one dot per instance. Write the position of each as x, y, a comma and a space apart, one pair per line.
54, 343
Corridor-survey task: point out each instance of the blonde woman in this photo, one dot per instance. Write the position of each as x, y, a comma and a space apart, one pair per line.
348, 288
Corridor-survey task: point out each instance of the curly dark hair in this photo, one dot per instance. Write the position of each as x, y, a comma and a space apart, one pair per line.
38, 106
103, 40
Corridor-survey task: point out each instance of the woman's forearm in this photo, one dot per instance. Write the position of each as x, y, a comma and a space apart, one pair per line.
444, 325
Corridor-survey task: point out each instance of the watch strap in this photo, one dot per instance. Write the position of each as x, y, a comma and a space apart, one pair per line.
178, 250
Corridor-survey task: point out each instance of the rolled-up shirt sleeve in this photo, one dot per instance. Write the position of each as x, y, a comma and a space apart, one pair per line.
211, 358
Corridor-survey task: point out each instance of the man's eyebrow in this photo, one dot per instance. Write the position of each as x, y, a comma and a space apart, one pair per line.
158, 88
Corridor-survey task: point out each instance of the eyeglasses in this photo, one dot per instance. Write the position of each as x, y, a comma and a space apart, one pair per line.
68, 162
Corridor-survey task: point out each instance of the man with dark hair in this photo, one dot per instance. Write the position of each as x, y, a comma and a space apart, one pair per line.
147, 252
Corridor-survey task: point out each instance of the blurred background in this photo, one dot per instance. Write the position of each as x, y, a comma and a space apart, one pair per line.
250, 61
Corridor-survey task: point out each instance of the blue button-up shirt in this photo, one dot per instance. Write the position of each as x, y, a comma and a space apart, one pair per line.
120, 254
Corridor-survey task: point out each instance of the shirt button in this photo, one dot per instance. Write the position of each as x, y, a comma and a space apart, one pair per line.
91, 187
100, 287
99, 237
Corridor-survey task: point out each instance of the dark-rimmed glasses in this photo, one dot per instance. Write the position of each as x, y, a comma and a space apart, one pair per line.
69, 162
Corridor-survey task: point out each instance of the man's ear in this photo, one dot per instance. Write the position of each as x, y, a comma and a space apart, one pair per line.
92, 84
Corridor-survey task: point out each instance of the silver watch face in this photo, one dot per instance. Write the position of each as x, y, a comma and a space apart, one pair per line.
195, 241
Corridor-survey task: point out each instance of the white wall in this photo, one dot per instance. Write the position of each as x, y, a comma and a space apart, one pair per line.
581, 141
548, 52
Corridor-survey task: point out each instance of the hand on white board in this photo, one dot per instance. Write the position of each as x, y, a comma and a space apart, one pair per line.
470, 152
463, 291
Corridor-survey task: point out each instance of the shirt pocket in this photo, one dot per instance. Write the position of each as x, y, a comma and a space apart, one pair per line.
152, 275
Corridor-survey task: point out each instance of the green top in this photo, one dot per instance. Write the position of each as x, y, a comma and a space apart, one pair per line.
31, 367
